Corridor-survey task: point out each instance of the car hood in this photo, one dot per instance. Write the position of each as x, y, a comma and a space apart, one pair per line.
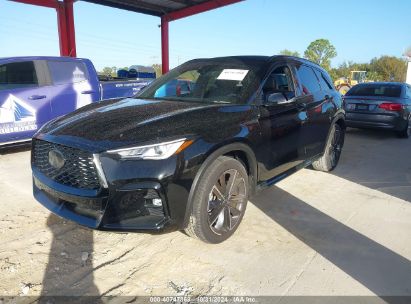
121, 123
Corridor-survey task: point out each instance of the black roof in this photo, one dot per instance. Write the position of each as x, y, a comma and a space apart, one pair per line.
150, 7
257, 59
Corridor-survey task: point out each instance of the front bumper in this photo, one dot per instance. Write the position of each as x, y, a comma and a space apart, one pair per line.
127, 210
145, 196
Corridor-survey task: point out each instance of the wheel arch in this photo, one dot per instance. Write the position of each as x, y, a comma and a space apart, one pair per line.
339, 119
238, 150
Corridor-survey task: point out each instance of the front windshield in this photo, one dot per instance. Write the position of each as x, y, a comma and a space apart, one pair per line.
205, 81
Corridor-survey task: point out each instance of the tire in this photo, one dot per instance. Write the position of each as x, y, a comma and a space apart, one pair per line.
329, 160
219, 201
406, 132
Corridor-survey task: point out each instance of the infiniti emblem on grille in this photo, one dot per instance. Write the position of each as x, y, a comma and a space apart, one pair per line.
56, 159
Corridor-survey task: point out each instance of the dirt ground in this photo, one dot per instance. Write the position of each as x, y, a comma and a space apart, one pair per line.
344, 233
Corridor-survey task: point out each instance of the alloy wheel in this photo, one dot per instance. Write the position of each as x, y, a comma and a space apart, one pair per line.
336, 146
227, 201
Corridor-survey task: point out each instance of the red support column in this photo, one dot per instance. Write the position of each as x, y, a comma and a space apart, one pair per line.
67, 38
164, 45
62, 28
71, 34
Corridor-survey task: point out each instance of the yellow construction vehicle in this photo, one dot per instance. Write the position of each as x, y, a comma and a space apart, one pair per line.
344, 84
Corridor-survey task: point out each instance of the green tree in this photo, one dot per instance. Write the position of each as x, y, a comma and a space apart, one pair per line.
321, 51
107, 71
289, 53
389, 68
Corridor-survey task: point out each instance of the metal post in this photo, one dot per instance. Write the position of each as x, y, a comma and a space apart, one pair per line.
164, 45
62, 28
70, 31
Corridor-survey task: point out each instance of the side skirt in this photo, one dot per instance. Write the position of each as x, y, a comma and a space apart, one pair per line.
265, 184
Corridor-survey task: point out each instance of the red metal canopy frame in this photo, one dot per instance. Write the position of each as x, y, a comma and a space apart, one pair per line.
66, 30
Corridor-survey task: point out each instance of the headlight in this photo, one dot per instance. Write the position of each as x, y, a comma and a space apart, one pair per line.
157, 151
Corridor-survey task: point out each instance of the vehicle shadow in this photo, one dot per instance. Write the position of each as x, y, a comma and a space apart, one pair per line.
377, 159
69, 271
16, 149
378, 268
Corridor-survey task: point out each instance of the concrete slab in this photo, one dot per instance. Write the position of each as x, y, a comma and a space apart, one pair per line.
344, 233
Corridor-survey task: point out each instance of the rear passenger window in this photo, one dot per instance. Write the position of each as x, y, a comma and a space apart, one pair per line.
328, 80
308, 80
18, 75
408, 91
323, 83
67, 72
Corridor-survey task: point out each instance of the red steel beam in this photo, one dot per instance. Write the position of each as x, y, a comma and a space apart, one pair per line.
164, 46
45, 3
199, 8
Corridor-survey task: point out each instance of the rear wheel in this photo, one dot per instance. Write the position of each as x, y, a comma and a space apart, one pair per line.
406, 132
332, 152
220, 201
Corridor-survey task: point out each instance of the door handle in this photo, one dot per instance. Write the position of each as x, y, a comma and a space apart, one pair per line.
87, 92
36, 97
301, 105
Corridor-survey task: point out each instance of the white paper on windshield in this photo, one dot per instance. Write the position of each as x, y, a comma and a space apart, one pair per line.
232, 74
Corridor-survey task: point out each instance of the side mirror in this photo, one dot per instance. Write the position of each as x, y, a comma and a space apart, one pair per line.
276, 98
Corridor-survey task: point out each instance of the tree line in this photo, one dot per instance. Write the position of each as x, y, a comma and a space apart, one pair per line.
384, 68
321, 51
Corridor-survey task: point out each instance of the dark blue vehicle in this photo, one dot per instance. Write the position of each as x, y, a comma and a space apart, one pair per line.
35, 90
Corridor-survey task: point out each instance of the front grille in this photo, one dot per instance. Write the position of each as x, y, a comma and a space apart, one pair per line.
78, 171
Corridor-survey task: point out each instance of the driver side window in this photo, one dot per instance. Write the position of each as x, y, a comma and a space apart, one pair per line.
279, 82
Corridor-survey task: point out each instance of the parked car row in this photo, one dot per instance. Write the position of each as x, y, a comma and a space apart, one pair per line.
190, 149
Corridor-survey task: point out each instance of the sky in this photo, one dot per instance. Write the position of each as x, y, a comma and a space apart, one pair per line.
359, 29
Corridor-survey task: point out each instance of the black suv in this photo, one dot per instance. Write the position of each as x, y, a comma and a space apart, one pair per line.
190, 159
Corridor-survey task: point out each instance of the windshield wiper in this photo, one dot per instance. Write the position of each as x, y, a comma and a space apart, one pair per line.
220, 101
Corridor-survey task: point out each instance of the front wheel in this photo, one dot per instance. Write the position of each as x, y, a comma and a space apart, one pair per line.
332, 152
220, 201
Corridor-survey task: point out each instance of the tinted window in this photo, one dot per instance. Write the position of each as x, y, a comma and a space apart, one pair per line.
325, 86
327, 80
228, 82
66, 72
308, 80
279, 81
184, 86
385, 90
408, 91
18, 75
